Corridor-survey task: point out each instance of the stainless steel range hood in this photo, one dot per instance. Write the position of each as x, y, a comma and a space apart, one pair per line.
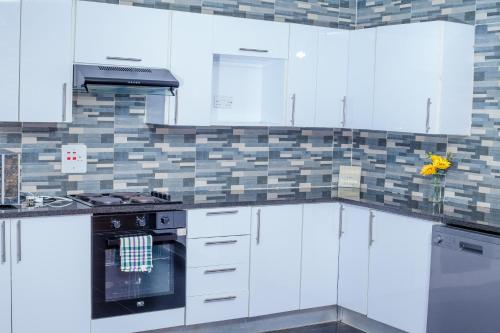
124, 80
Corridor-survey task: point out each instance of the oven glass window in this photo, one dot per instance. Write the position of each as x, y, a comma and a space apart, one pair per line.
159, 282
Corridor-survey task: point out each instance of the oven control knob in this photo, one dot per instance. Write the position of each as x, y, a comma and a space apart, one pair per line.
165, 220
438, 240
141, 221
116, 224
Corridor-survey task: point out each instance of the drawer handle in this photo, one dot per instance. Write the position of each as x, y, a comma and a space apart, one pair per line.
223, 270
221, 242
220, 299
244, 49
124, 58
223, 212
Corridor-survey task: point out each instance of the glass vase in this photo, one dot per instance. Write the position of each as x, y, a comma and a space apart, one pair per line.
437, 189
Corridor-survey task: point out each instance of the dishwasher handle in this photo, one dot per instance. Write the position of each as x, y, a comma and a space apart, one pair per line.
472, 248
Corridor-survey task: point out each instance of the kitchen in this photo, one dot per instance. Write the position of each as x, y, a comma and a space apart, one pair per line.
270, 151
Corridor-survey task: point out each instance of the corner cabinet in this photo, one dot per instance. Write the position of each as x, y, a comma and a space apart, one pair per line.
46, 269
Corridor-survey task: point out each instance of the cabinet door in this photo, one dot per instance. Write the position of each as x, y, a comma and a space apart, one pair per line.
406, 77
302, 66
331, 88
191, 58
9, 59
122, 35
46, 61
51, 275
247, 37
275, 259
320, 249
400, 259
361, 76
5, 286
353, 259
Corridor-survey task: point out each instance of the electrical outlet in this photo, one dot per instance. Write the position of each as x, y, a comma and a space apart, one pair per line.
74, 159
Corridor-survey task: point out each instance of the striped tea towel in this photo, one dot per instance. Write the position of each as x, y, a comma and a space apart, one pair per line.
136, 253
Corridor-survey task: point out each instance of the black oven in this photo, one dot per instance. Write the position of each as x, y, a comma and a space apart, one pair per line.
116, 293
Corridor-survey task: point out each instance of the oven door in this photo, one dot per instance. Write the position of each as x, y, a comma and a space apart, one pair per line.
116, 293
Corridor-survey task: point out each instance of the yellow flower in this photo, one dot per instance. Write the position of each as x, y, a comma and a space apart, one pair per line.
428, 170
441, 163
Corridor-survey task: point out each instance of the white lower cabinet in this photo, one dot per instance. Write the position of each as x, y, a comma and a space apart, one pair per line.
275, 259
400, 258
216, 307
5, 283
320, 249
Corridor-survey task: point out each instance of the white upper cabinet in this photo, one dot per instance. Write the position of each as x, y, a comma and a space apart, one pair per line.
331, 91
5, 283
9, 59
423, 78
257, 38
400, 259
302, 68
191, 64
122, 35
320, 249
46, 61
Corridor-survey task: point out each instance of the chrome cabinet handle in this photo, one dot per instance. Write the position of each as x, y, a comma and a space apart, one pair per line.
220, 299
223, 212
344, 101
258, 226
123, 58
341, 215
370, 230
64, 102
176, 111
293, 109
245, 49
233, 241
428, 117
4, 246
223, 270
19, 254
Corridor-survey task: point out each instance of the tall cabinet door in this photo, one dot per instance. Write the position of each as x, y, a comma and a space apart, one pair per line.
353, 259
320, 249
302, 67
191, 64
9, 59
331, 88
51, 275
5, 286
46, 60
400, 259
275, 259
406, 77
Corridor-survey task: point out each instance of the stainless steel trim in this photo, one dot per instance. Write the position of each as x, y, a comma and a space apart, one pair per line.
19, 254
258, 226
293, 109
2, 198
428, 117
223, 212
341, 211
233, 241
4, 246
370, 230
220, 299
245, 49
123, 58
222, 270
176, 110
344, 101
64, 102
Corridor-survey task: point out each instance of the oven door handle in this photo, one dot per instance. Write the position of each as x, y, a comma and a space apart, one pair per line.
170, 237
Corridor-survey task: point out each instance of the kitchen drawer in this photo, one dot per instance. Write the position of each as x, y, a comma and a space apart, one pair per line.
216, 307
217, 279
214, 251
248, 37
219, 222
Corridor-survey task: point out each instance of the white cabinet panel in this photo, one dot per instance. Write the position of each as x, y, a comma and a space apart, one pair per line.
191, 64
218, 251
361, 76
122, 35
353, 259
217, 279
51, 275
302, 67
400, 259
320, 249
226, 221
333, 46
247, 37
216, 307
9, 59
46, 62
275, 259
5, 285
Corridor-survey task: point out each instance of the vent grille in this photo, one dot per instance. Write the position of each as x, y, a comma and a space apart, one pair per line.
124, 69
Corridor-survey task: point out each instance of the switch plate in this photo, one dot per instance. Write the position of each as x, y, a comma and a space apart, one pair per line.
350, 176
74, 159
